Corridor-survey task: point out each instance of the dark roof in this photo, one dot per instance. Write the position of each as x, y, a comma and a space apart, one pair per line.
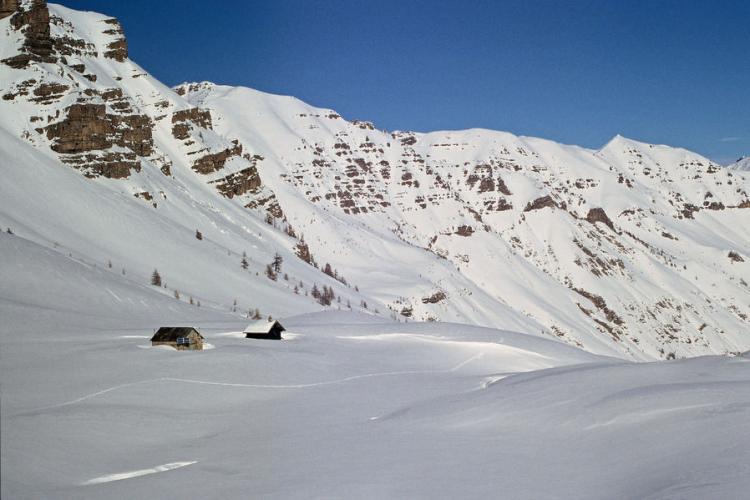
172, 333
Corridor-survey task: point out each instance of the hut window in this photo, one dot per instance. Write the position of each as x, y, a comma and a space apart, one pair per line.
183, 341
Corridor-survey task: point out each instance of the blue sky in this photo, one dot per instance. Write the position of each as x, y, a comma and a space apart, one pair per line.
672, 72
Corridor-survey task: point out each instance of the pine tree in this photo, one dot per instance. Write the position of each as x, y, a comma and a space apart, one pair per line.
198, 235
277, 261
177, 295
269, 272
9, 231
257, 314
109, 264
296, 289
243, 262
303, 251
156, 278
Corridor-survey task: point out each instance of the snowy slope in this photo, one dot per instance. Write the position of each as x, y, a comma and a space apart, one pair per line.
631, 248
635, 250
640, 251
139, 212
742, 164
344, 407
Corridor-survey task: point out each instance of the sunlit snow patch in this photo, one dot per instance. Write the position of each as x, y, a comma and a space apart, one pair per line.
136, 473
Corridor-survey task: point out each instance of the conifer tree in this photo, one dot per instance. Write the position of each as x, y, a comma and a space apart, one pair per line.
269, 272
277, 261
156, 278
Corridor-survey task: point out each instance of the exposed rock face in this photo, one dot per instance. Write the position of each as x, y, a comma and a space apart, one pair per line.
110, 164
118, 49
436, 297
7, 7
364, 125
34, 24
46, 93
599, 215
21, 89
88, 131
215, 161
238, 183
465, 231
184, 120
85, 128
735, 257
539, 203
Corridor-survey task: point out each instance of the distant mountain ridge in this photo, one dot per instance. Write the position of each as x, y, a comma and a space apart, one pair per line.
741, 164
635, 250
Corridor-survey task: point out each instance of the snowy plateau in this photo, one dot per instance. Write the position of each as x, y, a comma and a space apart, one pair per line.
469, 314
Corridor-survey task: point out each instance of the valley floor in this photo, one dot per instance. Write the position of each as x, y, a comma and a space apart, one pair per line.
347, 406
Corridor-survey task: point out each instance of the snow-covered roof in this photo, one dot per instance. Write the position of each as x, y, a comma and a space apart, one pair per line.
261, 326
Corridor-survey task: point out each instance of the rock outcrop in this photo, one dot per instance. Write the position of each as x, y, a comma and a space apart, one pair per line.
183, 121
7, 8
213, 162
118, 48
33, 21
599, 215
88, 132
542, 202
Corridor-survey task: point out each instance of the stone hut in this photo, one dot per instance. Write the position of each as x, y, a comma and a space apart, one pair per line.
264, 329
179, 337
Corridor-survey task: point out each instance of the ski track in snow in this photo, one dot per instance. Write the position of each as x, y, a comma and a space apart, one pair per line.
257, 386
137, 473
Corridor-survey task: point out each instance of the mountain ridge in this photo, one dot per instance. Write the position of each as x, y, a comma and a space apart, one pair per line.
591, 247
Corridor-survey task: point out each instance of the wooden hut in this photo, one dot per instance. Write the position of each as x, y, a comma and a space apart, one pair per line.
264, 329
179, 337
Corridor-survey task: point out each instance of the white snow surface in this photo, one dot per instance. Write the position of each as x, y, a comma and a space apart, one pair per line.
345, 409
742, 164
526, 387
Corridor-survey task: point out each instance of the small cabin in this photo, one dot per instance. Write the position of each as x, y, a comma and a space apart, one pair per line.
180, 337
263, 329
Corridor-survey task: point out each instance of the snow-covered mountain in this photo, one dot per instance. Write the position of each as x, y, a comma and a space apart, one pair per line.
634, 250
742, 164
